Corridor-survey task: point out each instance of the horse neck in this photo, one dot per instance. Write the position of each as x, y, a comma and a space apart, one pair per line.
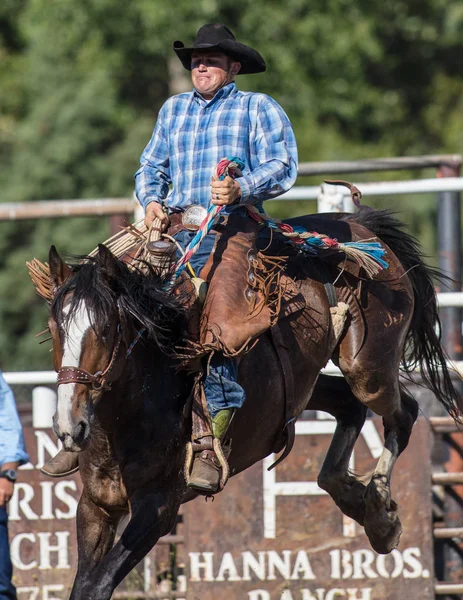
149, 388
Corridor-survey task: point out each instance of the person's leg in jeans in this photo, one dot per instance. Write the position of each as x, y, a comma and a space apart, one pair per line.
7, 590
223, 392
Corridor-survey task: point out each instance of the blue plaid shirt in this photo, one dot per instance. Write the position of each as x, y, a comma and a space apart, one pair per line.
12, 447
192, 135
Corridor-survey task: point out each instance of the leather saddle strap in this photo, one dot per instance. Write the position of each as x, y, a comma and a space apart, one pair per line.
175, 224
288, 379
331, 294
325, 277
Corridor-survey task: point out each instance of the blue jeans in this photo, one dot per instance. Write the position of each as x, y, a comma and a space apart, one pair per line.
7, 589
220, 383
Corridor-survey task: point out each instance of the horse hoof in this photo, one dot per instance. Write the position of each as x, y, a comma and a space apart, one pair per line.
351, 500
383, 531
382, 524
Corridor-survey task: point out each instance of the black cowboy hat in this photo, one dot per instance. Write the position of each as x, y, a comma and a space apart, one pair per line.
220, 38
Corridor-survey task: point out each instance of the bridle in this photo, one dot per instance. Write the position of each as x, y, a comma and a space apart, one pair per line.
101, 380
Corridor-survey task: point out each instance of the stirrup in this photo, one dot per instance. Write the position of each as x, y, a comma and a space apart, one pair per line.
198, 448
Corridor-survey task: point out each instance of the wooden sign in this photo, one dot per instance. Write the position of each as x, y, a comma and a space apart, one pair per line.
42, 525
277, 536
42, 528
269, 536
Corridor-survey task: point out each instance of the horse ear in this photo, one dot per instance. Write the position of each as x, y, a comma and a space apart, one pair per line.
59, 270
108, 262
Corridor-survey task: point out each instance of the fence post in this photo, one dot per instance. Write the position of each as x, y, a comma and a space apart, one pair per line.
334, 198
43, 406
450, 251
118, 222
450, 259
139, 210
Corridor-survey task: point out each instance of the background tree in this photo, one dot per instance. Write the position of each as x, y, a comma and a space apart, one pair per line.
82, 83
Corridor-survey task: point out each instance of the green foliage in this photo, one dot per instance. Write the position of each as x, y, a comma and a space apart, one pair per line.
82, 83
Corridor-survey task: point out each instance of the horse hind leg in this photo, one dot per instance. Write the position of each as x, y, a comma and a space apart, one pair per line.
333, 395
382, 524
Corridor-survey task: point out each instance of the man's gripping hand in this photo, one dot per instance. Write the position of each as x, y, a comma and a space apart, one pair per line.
155, 211
225, 192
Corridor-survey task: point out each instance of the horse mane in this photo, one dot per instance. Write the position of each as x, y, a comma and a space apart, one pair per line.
126, 295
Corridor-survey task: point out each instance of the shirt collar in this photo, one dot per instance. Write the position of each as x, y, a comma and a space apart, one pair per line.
223, 93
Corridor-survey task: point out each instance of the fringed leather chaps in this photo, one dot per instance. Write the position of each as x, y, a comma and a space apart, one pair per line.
240, 303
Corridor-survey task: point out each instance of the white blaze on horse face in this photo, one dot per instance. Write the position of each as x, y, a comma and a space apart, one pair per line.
75, 332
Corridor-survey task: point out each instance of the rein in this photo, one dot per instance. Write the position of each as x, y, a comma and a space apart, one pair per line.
366, 253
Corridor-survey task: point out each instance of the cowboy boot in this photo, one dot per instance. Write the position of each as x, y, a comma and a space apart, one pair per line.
206, 473
61, 465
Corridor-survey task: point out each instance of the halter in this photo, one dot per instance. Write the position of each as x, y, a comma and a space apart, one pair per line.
99, 380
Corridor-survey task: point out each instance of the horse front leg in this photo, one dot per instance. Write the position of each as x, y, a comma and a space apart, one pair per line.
96, 530
333, 395
153, 515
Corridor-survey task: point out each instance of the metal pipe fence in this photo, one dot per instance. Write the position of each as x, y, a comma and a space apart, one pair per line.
380, 164
55, 209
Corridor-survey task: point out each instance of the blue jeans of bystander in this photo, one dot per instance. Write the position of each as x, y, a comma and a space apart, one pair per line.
7, 590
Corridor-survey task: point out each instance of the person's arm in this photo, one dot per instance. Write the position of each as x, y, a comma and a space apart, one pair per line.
152, 179
7, 486
12, 449
276, 151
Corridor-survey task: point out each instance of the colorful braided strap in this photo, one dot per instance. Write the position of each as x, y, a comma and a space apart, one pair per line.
368, 254
227, 166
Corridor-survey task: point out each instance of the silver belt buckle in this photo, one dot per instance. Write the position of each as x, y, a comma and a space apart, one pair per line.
193, 216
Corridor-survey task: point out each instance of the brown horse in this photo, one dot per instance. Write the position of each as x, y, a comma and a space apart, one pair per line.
122, 397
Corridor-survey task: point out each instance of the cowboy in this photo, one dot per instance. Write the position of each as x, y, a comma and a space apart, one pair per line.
193, 132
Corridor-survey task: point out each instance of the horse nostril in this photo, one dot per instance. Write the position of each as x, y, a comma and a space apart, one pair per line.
80, 432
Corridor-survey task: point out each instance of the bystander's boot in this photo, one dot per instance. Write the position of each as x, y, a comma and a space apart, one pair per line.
61, 465
206, 472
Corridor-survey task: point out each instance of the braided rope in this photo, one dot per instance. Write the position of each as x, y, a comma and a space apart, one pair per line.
227, 167
366, 253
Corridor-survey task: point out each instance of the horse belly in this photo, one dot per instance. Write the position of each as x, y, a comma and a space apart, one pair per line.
258, 425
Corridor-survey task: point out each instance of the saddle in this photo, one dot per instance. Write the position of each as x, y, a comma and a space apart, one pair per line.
254, 281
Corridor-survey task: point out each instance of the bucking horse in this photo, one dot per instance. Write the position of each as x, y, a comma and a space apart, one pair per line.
126, 404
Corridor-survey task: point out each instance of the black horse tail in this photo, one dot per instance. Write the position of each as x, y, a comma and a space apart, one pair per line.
423, 347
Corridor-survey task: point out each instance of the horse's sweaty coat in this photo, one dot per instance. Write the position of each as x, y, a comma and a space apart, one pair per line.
136, 432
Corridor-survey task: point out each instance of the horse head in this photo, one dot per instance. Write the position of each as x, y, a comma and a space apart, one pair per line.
90, 337
100, 310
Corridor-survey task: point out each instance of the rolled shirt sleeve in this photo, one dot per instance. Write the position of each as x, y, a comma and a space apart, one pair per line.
274, 155
152, 180
12, 446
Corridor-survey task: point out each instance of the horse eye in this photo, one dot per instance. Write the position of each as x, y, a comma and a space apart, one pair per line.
106, 330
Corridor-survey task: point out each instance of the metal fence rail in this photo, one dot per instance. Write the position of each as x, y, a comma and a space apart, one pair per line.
54, 209
381, 164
